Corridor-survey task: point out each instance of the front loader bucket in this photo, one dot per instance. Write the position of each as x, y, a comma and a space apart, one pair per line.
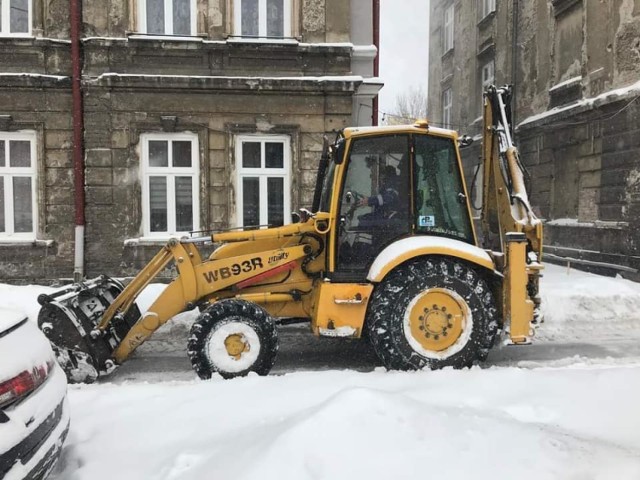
70, 315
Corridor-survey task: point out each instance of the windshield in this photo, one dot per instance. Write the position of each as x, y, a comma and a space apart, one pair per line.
441, 206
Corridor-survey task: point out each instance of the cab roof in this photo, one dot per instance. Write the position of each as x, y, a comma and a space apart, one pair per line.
420, 127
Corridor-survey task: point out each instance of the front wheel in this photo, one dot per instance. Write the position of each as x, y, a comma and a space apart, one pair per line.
233, 338
433, 312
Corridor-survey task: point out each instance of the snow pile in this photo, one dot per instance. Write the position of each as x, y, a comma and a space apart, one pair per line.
497, 423
578, 420
583, 306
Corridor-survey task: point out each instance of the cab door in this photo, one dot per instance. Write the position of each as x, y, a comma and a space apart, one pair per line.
374, 203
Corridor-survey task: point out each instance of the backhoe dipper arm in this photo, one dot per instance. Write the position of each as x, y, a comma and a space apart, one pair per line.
505, 206
509, 225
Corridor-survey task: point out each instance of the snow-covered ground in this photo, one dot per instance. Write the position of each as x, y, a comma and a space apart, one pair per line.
575, 416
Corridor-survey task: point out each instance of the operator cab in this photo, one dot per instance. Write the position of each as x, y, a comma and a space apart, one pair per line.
397, 182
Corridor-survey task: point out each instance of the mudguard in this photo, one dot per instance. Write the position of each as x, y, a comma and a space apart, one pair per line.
407, 248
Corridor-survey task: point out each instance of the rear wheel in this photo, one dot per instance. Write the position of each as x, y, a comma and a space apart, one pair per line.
434, 312
233, 338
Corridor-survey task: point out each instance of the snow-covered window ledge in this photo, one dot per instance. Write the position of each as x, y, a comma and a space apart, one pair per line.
566, 92
600, 224
150, 37
15, 242
150, 241
265, 40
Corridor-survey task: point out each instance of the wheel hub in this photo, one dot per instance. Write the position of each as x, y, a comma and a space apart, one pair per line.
437, 319
236, 344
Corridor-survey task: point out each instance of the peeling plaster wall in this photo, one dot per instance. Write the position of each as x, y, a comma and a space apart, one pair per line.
584, 163
116, 115
627, 43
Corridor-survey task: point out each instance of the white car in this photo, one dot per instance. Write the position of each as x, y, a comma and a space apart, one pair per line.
34, 415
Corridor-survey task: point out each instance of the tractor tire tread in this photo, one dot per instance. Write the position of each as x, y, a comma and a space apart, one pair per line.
391, 297
253, 315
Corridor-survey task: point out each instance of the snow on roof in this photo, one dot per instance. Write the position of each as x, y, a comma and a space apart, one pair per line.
585, 104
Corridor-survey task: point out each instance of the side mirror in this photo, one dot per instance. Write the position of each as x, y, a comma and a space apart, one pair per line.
348, 197
295, 217
465, 141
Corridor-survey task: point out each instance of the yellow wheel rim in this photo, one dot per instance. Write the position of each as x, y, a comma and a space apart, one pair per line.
236, 345
437, 319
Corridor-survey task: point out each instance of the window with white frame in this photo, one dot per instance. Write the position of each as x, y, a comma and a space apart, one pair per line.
167, 17
263, 189
486, 7
447, 103
448, 28
18, 186
15, 17
488, 74
170, 179
262, 18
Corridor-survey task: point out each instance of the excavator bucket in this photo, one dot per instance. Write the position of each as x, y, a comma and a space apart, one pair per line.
69, 317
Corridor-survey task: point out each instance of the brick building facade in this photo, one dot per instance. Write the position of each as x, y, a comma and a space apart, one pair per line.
198, 115
574, 67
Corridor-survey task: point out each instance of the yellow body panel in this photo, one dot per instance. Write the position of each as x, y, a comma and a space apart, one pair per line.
339, 308
518, 307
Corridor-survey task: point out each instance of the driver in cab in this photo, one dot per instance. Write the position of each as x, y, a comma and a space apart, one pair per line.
385, 203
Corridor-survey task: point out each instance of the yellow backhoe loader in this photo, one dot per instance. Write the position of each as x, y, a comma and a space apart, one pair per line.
388, 252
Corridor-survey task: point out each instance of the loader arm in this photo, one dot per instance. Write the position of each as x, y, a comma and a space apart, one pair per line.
511, 230
96, 325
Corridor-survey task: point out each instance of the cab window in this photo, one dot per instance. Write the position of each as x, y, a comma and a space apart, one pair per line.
441, 205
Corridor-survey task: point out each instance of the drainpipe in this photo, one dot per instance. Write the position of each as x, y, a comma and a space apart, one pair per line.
514, 67
376, 61
78, 144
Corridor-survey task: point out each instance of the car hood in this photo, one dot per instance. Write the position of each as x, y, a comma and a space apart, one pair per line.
9, 318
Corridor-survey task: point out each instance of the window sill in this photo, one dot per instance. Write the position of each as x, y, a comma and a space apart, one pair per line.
15, 242
447, 54
23, 36
487, 19
154, 241
164, 38
265, 40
